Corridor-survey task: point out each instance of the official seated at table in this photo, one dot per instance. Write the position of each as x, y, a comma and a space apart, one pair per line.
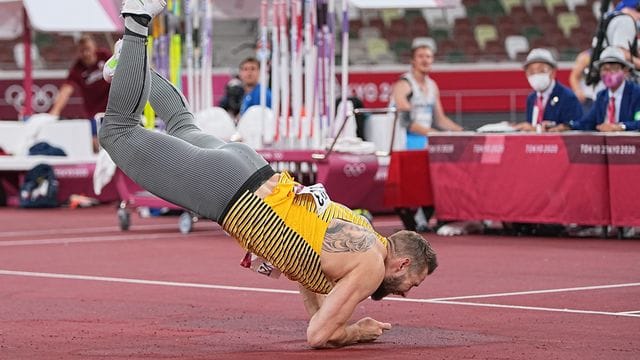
617, 108
551, 103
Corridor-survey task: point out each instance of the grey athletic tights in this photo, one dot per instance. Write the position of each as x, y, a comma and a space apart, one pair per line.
187, 167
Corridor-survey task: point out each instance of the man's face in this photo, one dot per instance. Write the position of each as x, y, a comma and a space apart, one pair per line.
540, 68
422, 60
88, 54
249, 73
398, 284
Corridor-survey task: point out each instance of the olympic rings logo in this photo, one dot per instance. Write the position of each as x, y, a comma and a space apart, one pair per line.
354, 169
41, 100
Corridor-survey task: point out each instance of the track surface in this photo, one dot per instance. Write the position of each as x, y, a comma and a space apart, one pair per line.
73, 286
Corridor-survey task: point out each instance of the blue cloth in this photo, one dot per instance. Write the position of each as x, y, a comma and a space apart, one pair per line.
253, 98
627, 3
562, 106
629, 109
416, 141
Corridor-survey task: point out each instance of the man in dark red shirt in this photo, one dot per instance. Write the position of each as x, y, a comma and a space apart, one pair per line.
86, 75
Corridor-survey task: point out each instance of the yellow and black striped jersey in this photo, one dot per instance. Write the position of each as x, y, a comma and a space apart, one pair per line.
287, 229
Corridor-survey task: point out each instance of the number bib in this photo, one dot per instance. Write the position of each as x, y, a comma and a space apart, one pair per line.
319, 195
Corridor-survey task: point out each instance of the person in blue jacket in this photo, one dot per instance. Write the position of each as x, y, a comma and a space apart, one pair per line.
551, 103
617, 108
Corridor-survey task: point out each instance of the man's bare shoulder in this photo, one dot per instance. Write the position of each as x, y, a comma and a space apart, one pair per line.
343, 236
349, 248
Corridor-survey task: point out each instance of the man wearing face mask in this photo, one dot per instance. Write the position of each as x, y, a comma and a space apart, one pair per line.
617, 108
550, 103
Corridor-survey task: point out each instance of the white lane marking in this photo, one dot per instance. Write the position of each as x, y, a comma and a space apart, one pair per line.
532, 292
7, 234
279, 291
519, 307
141, 281
123, 237
630, 312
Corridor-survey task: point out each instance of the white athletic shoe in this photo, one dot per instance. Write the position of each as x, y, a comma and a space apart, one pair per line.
150, 8
109, 68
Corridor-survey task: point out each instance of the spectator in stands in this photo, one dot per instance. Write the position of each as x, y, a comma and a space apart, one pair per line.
86, 75
617, 108
586, 94
249, 76
417, 99
551, 103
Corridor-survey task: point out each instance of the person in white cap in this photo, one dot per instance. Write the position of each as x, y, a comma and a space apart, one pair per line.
617, 108
417, 99
550, 103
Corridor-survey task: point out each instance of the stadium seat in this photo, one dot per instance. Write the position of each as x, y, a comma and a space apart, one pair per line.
572, 4
568, 21
369, 32
484, 33
435, 18
18, 55
551, 5
453, 14
515, 44
509, 4
257, 127
389, 15
216, 121
532, 32
376, 47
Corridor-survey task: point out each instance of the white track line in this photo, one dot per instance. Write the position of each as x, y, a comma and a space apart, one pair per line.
25, 233
279, 291
140, 281
532, 292
630, 312
123, 237
518, 307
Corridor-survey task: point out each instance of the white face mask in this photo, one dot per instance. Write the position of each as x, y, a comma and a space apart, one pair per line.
539, 82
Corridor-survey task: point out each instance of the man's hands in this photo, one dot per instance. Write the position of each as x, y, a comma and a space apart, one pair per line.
607, 127
370, 329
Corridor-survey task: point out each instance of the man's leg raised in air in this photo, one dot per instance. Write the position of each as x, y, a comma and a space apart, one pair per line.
201, 180
171, 106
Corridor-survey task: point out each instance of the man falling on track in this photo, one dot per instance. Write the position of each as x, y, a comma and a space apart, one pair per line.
320, 244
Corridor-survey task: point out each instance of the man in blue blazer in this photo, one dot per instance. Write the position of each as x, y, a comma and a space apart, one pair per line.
551, 103
617, 108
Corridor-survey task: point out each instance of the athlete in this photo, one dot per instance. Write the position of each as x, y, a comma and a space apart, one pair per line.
335, 255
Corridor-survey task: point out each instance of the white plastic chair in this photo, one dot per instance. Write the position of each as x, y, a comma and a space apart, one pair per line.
457, 12
515, 44
571, 4
216, 121
255, 131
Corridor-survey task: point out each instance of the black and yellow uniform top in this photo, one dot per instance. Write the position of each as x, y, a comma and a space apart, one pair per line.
287, 229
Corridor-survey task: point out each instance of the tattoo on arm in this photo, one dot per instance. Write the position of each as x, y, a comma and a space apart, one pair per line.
342, 236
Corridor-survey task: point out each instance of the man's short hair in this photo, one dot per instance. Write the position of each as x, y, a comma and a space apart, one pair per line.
250, 59
415, 247
86, 39
419, 43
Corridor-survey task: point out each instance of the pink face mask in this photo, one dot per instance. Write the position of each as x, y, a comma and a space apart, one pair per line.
613, 79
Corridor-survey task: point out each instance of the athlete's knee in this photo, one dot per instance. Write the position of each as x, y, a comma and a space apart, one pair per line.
112, 127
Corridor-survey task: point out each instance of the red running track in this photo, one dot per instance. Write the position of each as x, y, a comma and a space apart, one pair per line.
73, 286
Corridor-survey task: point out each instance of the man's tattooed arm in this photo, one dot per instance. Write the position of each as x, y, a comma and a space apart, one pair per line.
343, 236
